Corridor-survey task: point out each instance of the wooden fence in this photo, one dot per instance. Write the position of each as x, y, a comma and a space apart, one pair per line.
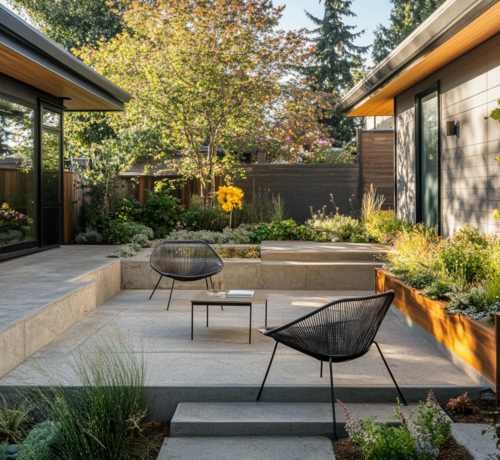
376, 160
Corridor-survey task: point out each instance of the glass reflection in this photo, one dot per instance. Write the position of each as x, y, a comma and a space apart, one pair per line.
50, 166
16, 172
51, 119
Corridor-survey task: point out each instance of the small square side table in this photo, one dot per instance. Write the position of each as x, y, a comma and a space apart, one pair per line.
203, 298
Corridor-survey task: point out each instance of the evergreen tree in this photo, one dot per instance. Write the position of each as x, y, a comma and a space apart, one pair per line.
338, 61
406, 16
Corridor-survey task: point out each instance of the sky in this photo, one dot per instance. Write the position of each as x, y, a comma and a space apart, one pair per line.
369, 13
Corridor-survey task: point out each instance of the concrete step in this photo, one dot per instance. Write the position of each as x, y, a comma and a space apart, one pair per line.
255, 448
309, 251
270, 419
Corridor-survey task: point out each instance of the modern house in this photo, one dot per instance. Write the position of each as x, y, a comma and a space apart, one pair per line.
441, 84
39, 81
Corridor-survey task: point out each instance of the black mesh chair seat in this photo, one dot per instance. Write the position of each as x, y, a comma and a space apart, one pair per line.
185, 261
337, 332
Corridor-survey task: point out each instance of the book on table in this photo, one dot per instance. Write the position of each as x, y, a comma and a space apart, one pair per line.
235, 293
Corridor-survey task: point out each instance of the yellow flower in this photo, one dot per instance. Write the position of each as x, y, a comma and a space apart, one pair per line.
230, 197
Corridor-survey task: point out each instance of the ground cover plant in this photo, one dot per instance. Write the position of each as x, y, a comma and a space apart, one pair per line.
462, 269
419, 437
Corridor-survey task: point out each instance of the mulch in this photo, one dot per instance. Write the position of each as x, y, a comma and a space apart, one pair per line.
154, 433
345, 449
484, 407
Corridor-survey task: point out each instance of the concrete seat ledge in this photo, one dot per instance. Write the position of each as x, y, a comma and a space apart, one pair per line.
271, 419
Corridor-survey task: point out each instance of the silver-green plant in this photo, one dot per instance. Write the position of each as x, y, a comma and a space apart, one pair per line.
38, 443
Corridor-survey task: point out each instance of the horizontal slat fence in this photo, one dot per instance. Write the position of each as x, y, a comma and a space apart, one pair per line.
301, 186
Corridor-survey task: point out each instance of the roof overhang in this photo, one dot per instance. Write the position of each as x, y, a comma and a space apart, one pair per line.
451, 31
29, 56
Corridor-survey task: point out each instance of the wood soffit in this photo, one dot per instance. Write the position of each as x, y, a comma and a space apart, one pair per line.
481, 29
32, 73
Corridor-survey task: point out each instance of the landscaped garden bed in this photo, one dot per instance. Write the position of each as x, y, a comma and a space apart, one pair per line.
472, 340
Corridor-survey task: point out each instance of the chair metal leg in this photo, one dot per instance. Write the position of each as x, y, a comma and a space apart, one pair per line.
206, 281
168, 306
333, 402
161, 276
390, 373
267, 372
321, 370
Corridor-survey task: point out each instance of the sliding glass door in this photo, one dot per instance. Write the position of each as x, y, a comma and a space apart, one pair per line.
427, 158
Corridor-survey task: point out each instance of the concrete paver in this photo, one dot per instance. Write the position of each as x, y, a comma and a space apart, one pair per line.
247, 448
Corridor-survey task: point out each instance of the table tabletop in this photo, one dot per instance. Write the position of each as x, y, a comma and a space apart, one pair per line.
206, 298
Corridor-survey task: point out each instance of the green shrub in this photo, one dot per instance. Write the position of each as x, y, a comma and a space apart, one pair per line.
120, 232
227, 236
162, 212
11, 236
465, 254
439, 289
101, 403
359, 238
470, 302
3, 450
419, 277
124, 252
142, 240
343, 228
280, 231
131, 210
89, 236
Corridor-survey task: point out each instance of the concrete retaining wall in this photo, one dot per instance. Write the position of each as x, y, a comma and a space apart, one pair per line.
26, 337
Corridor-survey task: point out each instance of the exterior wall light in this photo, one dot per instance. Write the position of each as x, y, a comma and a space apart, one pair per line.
451, 128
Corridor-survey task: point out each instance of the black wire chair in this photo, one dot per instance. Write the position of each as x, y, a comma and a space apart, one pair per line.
185, 261
339, 331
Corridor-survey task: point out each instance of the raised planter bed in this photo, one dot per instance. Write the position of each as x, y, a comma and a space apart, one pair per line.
469, 339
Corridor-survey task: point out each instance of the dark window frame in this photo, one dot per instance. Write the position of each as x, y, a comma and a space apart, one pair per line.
434, 87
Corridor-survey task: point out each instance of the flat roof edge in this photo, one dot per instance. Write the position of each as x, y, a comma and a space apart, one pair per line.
14, 25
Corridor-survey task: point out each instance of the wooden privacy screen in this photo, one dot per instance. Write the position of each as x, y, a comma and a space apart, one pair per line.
376, 159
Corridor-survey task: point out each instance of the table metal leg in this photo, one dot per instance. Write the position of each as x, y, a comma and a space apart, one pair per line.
250, 328
207, 315
265, 324
192, 310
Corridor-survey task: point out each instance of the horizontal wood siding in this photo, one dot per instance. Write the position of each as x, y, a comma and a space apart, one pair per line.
471, 340
377, 163
302, 186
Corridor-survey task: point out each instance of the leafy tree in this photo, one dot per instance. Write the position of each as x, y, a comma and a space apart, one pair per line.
206, 74
71, 23
338, 61
406, 16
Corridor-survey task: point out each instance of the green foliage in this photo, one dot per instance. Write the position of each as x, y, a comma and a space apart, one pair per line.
89, 236
162, 211
15, 417
244, 253
3, 450
124, 252
120, 232
100, 416
359, 238
419, 277
227, 236
439, 289
343, 228
384, 225
470, 302
465, 254
38, 443
418, 438
406, 16
130, 210
279, 231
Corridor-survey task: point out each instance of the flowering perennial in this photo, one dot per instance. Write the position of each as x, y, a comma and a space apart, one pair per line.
230, 197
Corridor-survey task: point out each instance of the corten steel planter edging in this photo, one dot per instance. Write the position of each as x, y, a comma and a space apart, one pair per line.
469, 339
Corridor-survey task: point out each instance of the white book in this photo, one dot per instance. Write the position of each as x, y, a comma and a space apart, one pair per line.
235, 293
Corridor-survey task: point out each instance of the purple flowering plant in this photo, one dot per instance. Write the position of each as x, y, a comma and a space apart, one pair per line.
417, 438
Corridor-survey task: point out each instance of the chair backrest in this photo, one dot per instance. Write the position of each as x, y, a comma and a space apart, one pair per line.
344, 328
186, 258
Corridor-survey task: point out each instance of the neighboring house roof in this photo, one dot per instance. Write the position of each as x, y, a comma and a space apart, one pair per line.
455, 28
31, 57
